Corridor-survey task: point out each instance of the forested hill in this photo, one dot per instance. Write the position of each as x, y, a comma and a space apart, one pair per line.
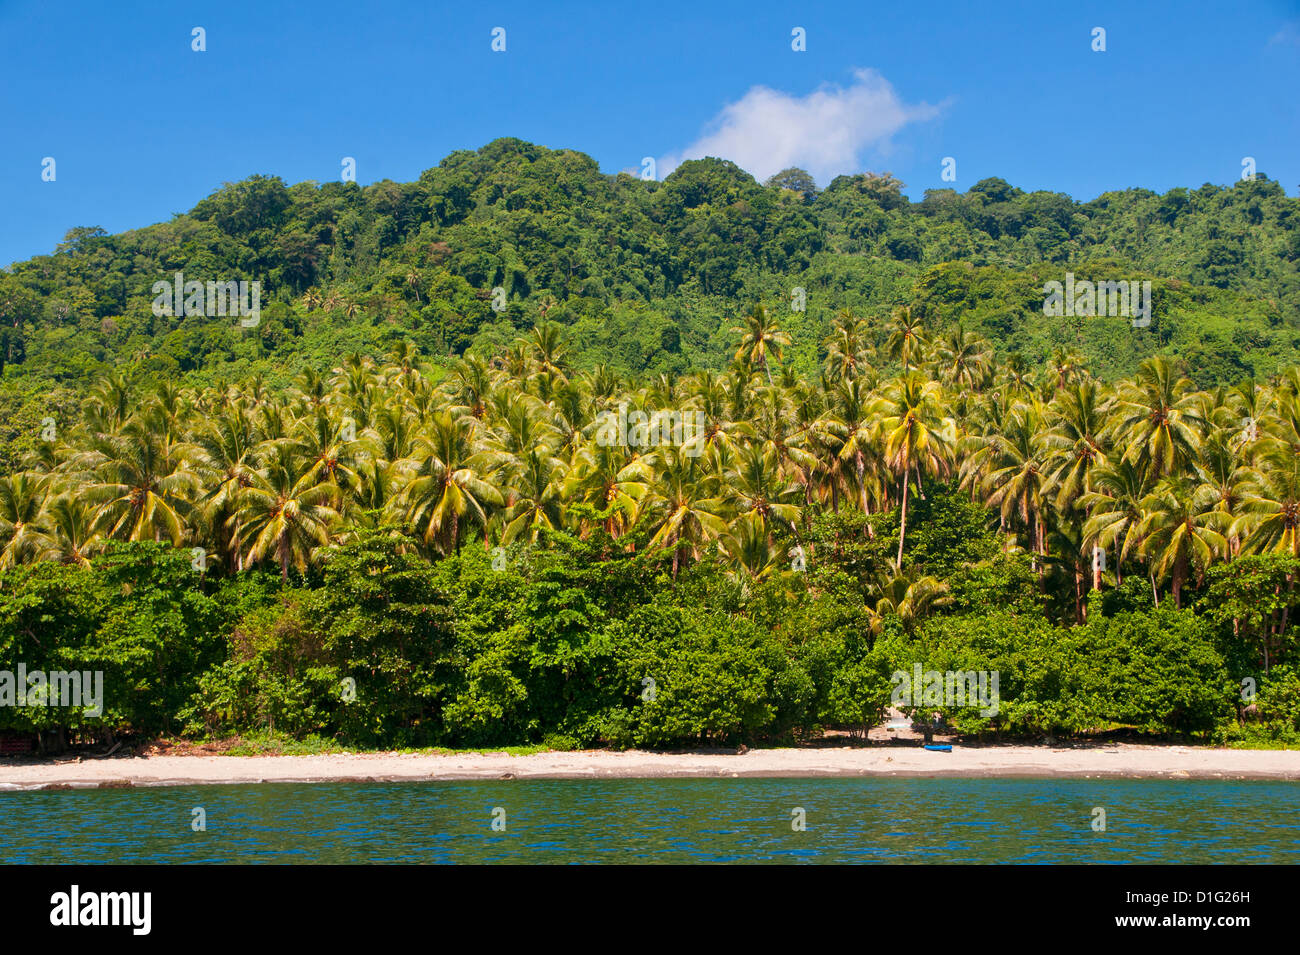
648, 277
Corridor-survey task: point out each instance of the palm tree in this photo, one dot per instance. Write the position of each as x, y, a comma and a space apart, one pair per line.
1182, 531
1269, 520
142, 483
285, 511
908, 340
109, 404
1269, 509
688, 512
603, 382
916, 435
1069, 552
755, 486
723, 429
1019, 480
845, 346
1159, 419
313, 387
537, 487
224, 454
329, 446
748, 547
70, 536
1016, 375
964, 359
907, 598
1065, 366
448, 485
1222, 472
472, 385
520, 423
373, 497
413, 283
547, 343
22, 506
761, 340
613, 482
1076, 442
405, 356
850, 430
1115, 510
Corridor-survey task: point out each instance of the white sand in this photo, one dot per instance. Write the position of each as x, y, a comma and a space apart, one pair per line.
1117, 760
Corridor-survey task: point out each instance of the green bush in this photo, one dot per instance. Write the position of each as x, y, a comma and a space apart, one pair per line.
714, 678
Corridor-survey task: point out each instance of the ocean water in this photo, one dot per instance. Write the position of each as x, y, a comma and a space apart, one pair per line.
663, 820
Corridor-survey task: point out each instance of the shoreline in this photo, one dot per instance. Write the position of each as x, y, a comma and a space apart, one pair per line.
1112, 761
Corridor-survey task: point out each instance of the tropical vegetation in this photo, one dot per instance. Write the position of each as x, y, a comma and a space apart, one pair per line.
386, 512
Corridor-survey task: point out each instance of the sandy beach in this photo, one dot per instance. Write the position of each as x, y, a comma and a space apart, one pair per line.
1115, 760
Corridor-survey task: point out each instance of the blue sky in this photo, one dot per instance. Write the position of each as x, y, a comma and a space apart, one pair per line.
141, 127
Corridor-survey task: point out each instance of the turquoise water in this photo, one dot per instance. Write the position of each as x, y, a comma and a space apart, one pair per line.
663, 820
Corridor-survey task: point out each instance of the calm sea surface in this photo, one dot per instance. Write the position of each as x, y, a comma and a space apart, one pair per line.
663, 820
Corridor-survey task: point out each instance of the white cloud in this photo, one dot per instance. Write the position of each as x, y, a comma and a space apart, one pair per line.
825, 132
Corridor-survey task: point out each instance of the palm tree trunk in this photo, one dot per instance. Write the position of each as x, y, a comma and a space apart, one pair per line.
1041, 540
1286, 613
902, 523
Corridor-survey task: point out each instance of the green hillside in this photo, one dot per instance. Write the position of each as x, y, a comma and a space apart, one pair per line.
650, 275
